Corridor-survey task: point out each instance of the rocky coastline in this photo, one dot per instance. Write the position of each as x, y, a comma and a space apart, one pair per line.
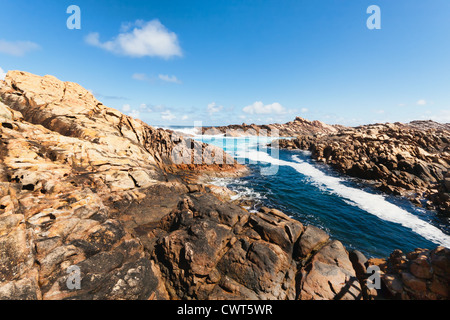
289, 129
84, 185
409, 160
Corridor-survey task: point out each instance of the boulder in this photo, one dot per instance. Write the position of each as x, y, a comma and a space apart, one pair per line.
417, 275
311, 240
330, 276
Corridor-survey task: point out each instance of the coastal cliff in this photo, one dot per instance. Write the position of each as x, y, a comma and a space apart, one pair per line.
83, 185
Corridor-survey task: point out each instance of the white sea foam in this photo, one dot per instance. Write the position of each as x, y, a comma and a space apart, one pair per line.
371, 203
190, 131
240, 187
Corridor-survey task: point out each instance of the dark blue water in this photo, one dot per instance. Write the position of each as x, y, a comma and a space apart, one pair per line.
356, 225
298, 196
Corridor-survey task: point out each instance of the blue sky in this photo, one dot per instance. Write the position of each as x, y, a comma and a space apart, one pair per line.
224, 61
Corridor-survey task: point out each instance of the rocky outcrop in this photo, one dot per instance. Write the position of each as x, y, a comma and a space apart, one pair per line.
420, 275
410, 160
294, 128
102, 138
88, 193
66, 163
82, 185
212, 250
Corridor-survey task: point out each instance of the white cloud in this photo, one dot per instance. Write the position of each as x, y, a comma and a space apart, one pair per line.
162, 77
17, 48
214, 108
108, 97
421, 102
167, 78
442, 116
185, 117
139, 76
2, 74
160, 107
150, 39
379, 111
259, 108
135, 114
126, 26
304, 110
143, 107
167, 115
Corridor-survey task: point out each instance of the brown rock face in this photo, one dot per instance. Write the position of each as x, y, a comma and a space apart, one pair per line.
70, 110
330, 275
67, 163
84, 187
294, 128
422, 274
311, 240
219, 251
411, 160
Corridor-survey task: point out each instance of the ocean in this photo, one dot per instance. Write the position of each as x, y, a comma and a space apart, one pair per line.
354, 213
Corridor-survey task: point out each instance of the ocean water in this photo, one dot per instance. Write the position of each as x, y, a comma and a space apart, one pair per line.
353, 213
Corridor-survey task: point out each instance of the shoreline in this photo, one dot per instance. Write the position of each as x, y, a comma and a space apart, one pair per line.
421, 180
84, 186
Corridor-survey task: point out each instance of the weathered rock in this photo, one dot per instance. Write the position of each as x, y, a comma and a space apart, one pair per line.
27, 288
213, 249
416, 276
82, 185
329, 275
73, 178
394, 285
421, 268
276, 227
297, 127
410, 160
312, 239
359, 262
